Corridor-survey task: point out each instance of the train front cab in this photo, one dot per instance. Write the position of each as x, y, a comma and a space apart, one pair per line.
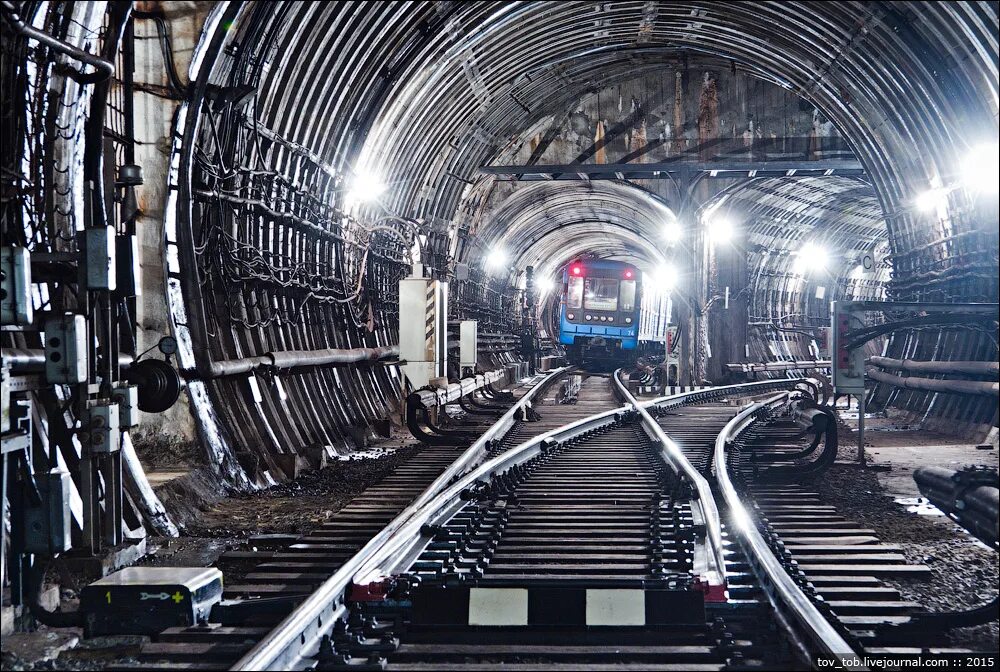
599, 312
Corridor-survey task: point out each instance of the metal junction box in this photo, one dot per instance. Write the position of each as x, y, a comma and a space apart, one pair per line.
47, 525
127, 399
15, 277
148, 600
423, 333
66, 349
104, 429
102, 270
468, 337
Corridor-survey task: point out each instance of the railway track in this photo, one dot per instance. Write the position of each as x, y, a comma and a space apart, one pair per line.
264, 584
678, 533
835, 564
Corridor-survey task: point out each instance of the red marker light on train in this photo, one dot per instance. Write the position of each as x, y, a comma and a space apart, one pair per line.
628, 274
577, 270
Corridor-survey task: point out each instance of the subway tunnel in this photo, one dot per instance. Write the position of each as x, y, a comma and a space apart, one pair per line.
265, 260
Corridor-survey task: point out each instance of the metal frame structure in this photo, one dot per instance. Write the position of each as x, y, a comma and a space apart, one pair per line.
723, 169
849, 372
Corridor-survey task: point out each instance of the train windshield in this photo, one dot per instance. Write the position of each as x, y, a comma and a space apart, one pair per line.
601, 294
628, 295
574, 295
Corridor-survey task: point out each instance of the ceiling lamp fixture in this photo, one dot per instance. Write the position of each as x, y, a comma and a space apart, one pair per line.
365, 188
811, 257
673, 232
496, 259
981, 168
720, 229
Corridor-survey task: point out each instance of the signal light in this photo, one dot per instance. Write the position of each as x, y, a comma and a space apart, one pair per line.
576, 270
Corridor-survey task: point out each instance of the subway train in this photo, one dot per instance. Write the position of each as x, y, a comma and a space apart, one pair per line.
599, 311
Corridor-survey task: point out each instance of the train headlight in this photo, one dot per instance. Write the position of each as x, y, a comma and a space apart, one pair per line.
590, 317
570, 316
628, 320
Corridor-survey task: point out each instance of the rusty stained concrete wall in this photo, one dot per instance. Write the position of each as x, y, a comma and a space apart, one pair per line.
677, 110
154, 114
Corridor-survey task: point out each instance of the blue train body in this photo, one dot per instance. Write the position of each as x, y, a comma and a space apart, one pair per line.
600, 309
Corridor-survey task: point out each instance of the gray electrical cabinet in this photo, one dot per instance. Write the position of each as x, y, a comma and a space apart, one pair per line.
102, 250
66, 349
468, 337
15, 271
423, 333
48, 523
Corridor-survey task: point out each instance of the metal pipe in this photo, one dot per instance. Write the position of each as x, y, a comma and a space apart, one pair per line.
30, 360
455, 391
21, 360
752, 367
291, 359
974, 387
971, 497
940, 366
103, 68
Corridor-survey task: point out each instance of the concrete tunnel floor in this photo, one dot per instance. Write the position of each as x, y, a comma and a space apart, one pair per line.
964, 571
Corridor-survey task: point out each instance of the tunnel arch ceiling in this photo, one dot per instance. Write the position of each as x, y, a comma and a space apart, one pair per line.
424, 94
546, 224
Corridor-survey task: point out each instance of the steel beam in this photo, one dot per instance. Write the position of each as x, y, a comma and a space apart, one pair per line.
674, 169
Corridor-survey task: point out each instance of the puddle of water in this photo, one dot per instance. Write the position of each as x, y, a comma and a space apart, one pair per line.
919, 506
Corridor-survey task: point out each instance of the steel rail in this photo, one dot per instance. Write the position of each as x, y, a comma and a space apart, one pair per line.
399, 552
786, 597
289, 645
713, 573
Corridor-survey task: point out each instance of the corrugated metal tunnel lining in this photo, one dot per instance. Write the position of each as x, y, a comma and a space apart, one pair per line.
422, 95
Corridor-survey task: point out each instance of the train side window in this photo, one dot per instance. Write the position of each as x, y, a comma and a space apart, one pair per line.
574, 295
627, 296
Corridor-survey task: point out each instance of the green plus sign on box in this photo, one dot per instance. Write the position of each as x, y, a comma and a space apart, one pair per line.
147, 600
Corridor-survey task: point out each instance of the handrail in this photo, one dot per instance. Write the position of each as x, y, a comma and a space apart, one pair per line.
714, 574
781, 588
301, 631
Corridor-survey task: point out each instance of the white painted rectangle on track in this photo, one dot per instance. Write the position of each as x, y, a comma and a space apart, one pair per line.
498, 606
616, 606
